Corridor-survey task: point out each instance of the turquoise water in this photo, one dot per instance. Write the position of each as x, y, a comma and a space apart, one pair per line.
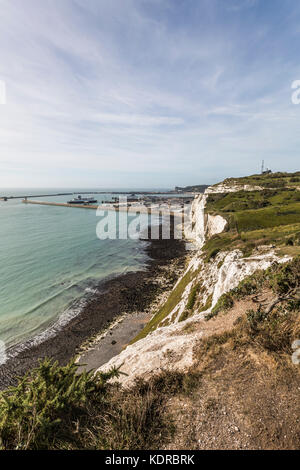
50, 258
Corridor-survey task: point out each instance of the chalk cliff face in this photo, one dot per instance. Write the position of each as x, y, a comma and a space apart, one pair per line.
220, 276
232, 188
170, 346
202, 225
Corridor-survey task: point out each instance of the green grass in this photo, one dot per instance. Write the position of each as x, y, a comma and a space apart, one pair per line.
185, 315
167, 308
224, 303
255, 218
193, 296
216, 244
274, 216
207, 305
277, 180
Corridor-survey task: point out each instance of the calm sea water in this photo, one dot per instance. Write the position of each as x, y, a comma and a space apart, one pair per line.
50, 257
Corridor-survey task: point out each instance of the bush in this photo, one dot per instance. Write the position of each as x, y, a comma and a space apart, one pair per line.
285, 277
41, 408
185, 315
274, 332
224, 303
56, 408
248, 286
212, 254
297, 239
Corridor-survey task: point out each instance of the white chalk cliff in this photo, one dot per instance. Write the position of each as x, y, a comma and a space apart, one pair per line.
202, 225
170, 346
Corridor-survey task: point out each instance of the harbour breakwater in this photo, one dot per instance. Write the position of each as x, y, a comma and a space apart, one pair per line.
112, 207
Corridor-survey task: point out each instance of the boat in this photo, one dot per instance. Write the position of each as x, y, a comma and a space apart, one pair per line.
83, 200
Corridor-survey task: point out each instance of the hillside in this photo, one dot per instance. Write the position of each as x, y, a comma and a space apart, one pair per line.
213, 368
271, 180
198, 188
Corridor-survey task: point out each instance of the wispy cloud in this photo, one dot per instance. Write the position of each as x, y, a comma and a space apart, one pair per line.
238, 5
175, 92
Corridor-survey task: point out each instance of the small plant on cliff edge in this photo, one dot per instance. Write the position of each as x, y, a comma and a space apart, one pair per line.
286, 278
224, 303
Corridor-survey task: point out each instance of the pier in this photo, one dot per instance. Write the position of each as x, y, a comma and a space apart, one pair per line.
109, 207
60, 204
138, 193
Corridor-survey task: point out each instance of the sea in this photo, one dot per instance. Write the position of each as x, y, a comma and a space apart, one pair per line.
51, 262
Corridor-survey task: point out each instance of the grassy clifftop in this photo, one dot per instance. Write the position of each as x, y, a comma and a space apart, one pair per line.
272, 180
270, 216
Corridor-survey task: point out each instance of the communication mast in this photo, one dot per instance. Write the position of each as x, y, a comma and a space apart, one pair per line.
264, 171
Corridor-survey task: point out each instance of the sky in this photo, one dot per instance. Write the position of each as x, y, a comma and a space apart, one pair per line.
147, 93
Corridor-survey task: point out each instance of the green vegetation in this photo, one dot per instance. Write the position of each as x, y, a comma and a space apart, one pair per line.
40, 409
194, 293
55, 408
272, 329
255, 218
216, 244
185, 315
193, 296
257, 209
198, 188
166, 309
268, 217
207, 304
271, 180
224, 303
274, 332
283, 279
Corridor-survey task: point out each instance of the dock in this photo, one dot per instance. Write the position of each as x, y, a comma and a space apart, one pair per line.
110, 207
60, 204
121, 193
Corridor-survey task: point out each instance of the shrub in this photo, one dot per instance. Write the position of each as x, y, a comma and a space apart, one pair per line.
274, 332
285, 277
248, 286
56, 408
224, 303
212, 254
40, 409
297, 239
185, 315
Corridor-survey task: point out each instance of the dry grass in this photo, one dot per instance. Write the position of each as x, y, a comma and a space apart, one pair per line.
247, 393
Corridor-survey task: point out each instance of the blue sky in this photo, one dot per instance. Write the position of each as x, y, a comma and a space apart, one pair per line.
147, 93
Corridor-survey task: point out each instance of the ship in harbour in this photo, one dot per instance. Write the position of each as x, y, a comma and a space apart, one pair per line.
83, 200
